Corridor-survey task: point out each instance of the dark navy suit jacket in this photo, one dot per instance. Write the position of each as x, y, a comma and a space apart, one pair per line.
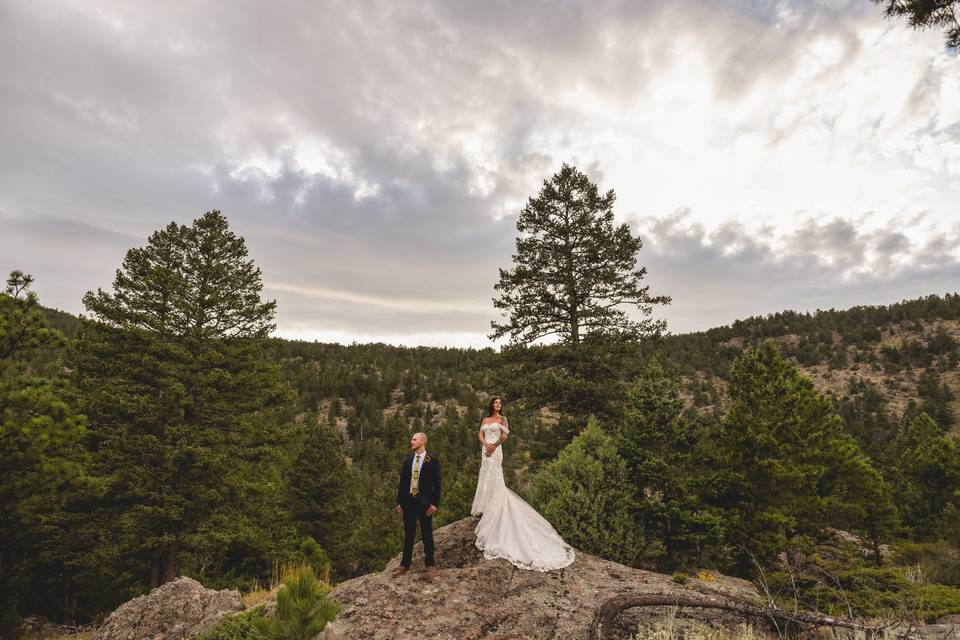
429, 481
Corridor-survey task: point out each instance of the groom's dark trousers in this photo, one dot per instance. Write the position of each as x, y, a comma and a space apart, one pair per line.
415, 506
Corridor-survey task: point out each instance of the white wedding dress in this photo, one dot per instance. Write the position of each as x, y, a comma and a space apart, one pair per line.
510, 528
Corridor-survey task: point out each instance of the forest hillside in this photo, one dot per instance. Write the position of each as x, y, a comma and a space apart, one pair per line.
166, 433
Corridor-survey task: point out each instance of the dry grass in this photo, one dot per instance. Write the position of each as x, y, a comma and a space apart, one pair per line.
259, 595
58, 635
670, 628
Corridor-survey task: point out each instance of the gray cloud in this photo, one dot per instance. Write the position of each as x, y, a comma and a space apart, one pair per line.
375, 154
718, 276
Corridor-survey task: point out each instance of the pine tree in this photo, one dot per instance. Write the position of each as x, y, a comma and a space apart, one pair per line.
924, 467
574, 269
321, 492
40, 433
925, 14
303, 609
660, 448
378, 535
172, 371
937, 400
585, 494
575, 277
787, 467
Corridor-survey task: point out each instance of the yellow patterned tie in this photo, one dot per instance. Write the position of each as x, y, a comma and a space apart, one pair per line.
416, 477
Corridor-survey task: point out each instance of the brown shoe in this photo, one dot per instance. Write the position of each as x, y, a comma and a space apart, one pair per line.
401, 570
431, 573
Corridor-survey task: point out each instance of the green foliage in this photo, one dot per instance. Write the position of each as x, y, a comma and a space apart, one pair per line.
586, 495
924, 15
948, 525
936, 561
173, 375
866, 417
458, 499
22, 328
303, 609
787, 468
321, 490
869, 592
40, 433
924, 472
936, 399
929, 601
379, 534
313, 556
87, 548
664, 464
820, 337
242, 626
574, 273
574, 268
575, 382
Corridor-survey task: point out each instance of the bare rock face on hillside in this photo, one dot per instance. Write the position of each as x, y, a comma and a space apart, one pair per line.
473, 598
176, 610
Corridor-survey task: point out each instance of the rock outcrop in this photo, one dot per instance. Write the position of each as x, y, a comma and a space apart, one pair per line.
473, 598
179, 609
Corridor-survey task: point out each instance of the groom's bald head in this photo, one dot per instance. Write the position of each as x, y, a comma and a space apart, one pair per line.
418, 440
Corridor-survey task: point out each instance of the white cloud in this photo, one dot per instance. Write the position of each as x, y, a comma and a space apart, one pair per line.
375, 154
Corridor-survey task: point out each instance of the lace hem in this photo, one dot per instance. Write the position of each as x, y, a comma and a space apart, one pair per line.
566, 562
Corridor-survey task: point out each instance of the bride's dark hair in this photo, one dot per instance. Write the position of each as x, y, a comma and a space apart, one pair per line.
490, 405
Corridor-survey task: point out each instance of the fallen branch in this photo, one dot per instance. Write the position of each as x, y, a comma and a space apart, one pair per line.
610, 609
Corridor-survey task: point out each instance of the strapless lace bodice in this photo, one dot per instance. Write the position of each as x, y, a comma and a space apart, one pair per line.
492, 430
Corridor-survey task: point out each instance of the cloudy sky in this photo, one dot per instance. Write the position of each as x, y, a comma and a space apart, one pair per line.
375, 155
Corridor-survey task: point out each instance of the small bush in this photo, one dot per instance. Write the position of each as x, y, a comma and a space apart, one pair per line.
237, 627
938, 561
869, 591
930, 601
681, 578
303, 609
313, 555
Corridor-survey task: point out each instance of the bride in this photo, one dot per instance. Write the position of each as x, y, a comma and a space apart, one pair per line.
510, 528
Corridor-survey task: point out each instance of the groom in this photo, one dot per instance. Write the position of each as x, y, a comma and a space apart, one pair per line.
418, 497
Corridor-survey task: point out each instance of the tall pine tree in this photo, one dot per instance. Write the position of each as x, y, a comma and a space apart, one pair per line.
575, 281
40, 432
924, 471
322, 490
786, 467
172, 369
661, 449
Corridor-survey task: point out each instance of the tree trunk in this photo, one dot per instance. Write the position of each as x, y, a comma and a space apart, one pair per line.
155, 570
607, 613
169, 562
